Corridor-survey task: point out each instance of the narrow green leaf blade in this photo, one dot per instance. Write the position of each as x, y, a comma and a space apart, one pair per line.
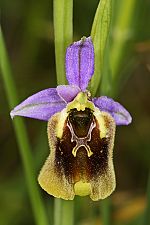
123, 34
22, 138
63, 31
99, 34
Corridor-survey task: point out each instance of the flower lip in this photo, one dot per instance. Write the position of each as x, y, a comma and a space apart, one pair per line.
85, 171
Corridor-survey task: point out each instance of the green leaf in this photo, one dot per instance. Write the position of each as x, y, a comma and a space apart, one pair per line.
63, 31
22, 138
99, 34
123, 34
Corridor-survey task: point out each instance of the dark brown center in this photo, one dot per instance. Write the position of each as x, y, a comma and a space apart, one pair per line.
81, 153
80, 121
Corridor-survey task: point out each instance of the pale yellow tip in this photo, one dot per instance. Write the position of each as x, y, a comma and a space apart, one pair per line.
82, 189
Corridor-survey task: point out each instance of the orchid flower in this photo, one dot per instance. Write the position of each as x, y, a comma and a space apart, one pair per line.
81, 130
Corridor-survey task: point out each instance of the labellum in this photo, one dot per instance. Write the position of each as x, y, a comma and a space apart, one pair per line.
81, 139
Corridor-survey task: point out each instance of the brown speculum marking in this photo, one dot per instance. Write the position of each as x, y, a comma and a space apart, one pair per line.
81, 124
81, 153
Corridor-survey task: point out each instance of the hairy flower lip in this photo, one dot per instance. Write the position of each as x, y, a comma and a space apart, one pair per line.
68, 172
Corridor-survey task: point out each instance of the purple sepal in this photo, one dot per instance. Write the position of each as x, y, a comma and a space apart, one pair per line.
117, 111
41, 105
67, 92
80, 63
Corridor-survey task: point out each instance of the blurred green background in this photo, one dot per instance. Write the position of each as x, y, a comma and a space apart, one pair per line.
29, 35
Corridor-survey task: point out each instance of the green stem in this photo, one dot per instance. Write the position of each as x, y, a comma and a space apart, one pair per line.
106, 211
22, 138
68, 213
63, 212
63, 31
57, 211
